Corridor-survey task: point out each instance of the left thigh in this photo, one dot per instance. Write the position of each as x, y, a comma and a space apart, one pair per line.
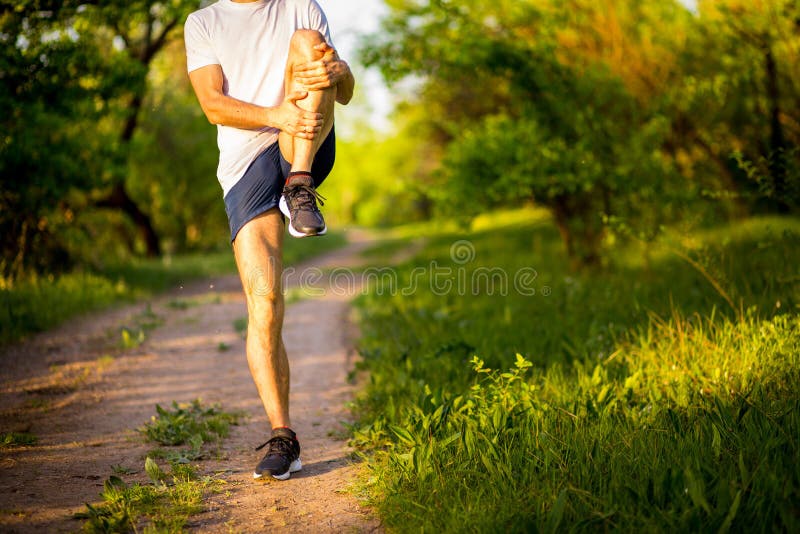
258, 249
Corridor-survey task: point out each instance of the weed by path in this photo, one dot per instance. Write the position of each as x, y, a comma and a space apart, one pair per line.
171, 497
633, 399
17, 439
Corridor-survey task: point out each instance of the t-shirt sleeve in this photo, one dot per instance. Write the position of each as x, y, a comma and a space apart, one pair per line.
199, 51
319, 21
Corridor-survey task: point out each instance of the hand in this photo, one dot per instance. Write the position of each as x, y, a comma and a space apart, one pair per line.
295, 121
323, 73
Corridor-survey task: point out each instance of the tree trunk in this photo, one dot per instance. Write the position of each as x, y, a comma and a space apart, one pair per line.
573, 215
119, 199
777, 140
561, 218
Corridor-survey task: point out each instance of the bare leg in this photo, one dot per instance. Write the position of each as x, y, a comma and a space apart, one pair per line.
300, 152
258, 252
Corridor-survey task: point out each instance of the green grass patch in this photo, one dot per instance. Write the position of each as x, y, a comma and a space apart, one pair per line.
188, 424
659, 394
171, 497
240, 325
135, 334
163, 505
386, 248
17, 439
297, 250
38, 303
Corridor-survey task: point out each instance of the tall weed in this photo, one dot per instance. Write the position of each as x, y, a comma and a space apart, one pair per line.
633, 399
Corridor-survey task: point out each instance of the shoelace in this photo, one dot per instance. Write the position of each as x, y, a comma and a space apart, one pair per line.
305, 196
277, 444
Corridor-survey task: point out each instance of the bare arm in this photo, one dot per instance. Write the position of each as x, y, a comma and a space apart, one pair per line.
227, 111
346, 87
327, 72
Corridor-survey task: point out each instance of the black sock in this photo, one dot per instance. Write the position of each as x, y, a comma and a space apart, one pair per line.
297, 173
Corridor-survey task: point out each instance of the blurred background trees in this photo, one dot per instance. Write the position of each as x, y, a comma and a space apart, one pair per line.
617, 114
642, 113
103, 148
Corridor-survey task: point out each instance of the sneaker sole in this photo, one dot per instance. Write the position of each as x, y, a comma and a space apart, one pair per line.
294, 233
294, 467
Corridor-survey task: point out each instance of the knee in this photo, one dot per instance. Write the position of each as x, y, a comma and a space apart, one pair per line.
265, 309
304, 41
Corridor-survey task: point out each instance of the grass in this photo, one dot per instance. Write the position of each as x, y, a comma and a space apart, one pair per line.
165, 503
659, 394
188, 423
133, 335
38, 303
17, 439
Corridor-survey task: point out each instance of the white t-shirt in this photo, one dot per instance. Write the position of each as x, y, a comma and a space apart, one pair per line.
250, 41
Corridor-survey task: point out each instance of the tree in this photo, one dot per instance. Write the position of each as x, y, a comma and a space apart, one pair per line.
528, 112
75, 77
745, 59
627, 110
54, 90
143, 28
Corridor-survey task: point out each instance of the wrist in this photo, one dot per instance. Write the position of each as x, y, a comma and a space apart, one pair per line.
269, 117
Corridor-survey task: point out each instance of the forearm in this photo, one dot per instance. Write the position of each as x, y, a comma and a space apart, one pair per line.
228, 111
345, 88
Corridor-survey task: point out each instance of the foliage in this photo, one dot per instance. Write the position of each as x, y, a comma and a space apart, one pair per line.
75, 77
12, 439
36, 303
737, 101
618, 109
240, 325
51, 83
167, 502
191, 424
173, 165
159, 506
41, 302
376, 191
631, 399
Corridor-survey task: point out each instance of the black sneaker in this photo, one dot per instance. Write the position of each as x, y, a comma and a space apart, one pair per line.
299, 204
283, 455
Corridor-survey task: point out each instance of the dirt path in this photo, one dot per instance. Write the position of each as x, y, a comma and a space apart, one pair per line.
82, 397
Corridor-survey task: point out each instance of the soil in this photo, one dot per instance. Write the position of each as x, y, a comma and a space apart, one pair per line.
83, 397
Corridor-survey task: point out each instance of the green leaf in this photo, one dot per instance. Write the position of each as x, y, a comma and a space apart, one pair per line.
726, 525
403, 435
154, 471
557, 512
696, 491
603, 392
521, 362
450, 439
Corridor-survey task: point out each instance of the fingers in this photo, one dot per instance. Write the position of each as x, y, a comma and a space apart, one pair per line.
304, 135
314, 66
306, 132
295, 96
318, 85
319, 75
310, 120
325, 48
326, 63
307, 81
306, 125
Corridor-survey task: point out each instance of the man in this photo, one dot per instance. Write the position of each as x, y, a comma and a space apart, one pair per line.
266, 73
